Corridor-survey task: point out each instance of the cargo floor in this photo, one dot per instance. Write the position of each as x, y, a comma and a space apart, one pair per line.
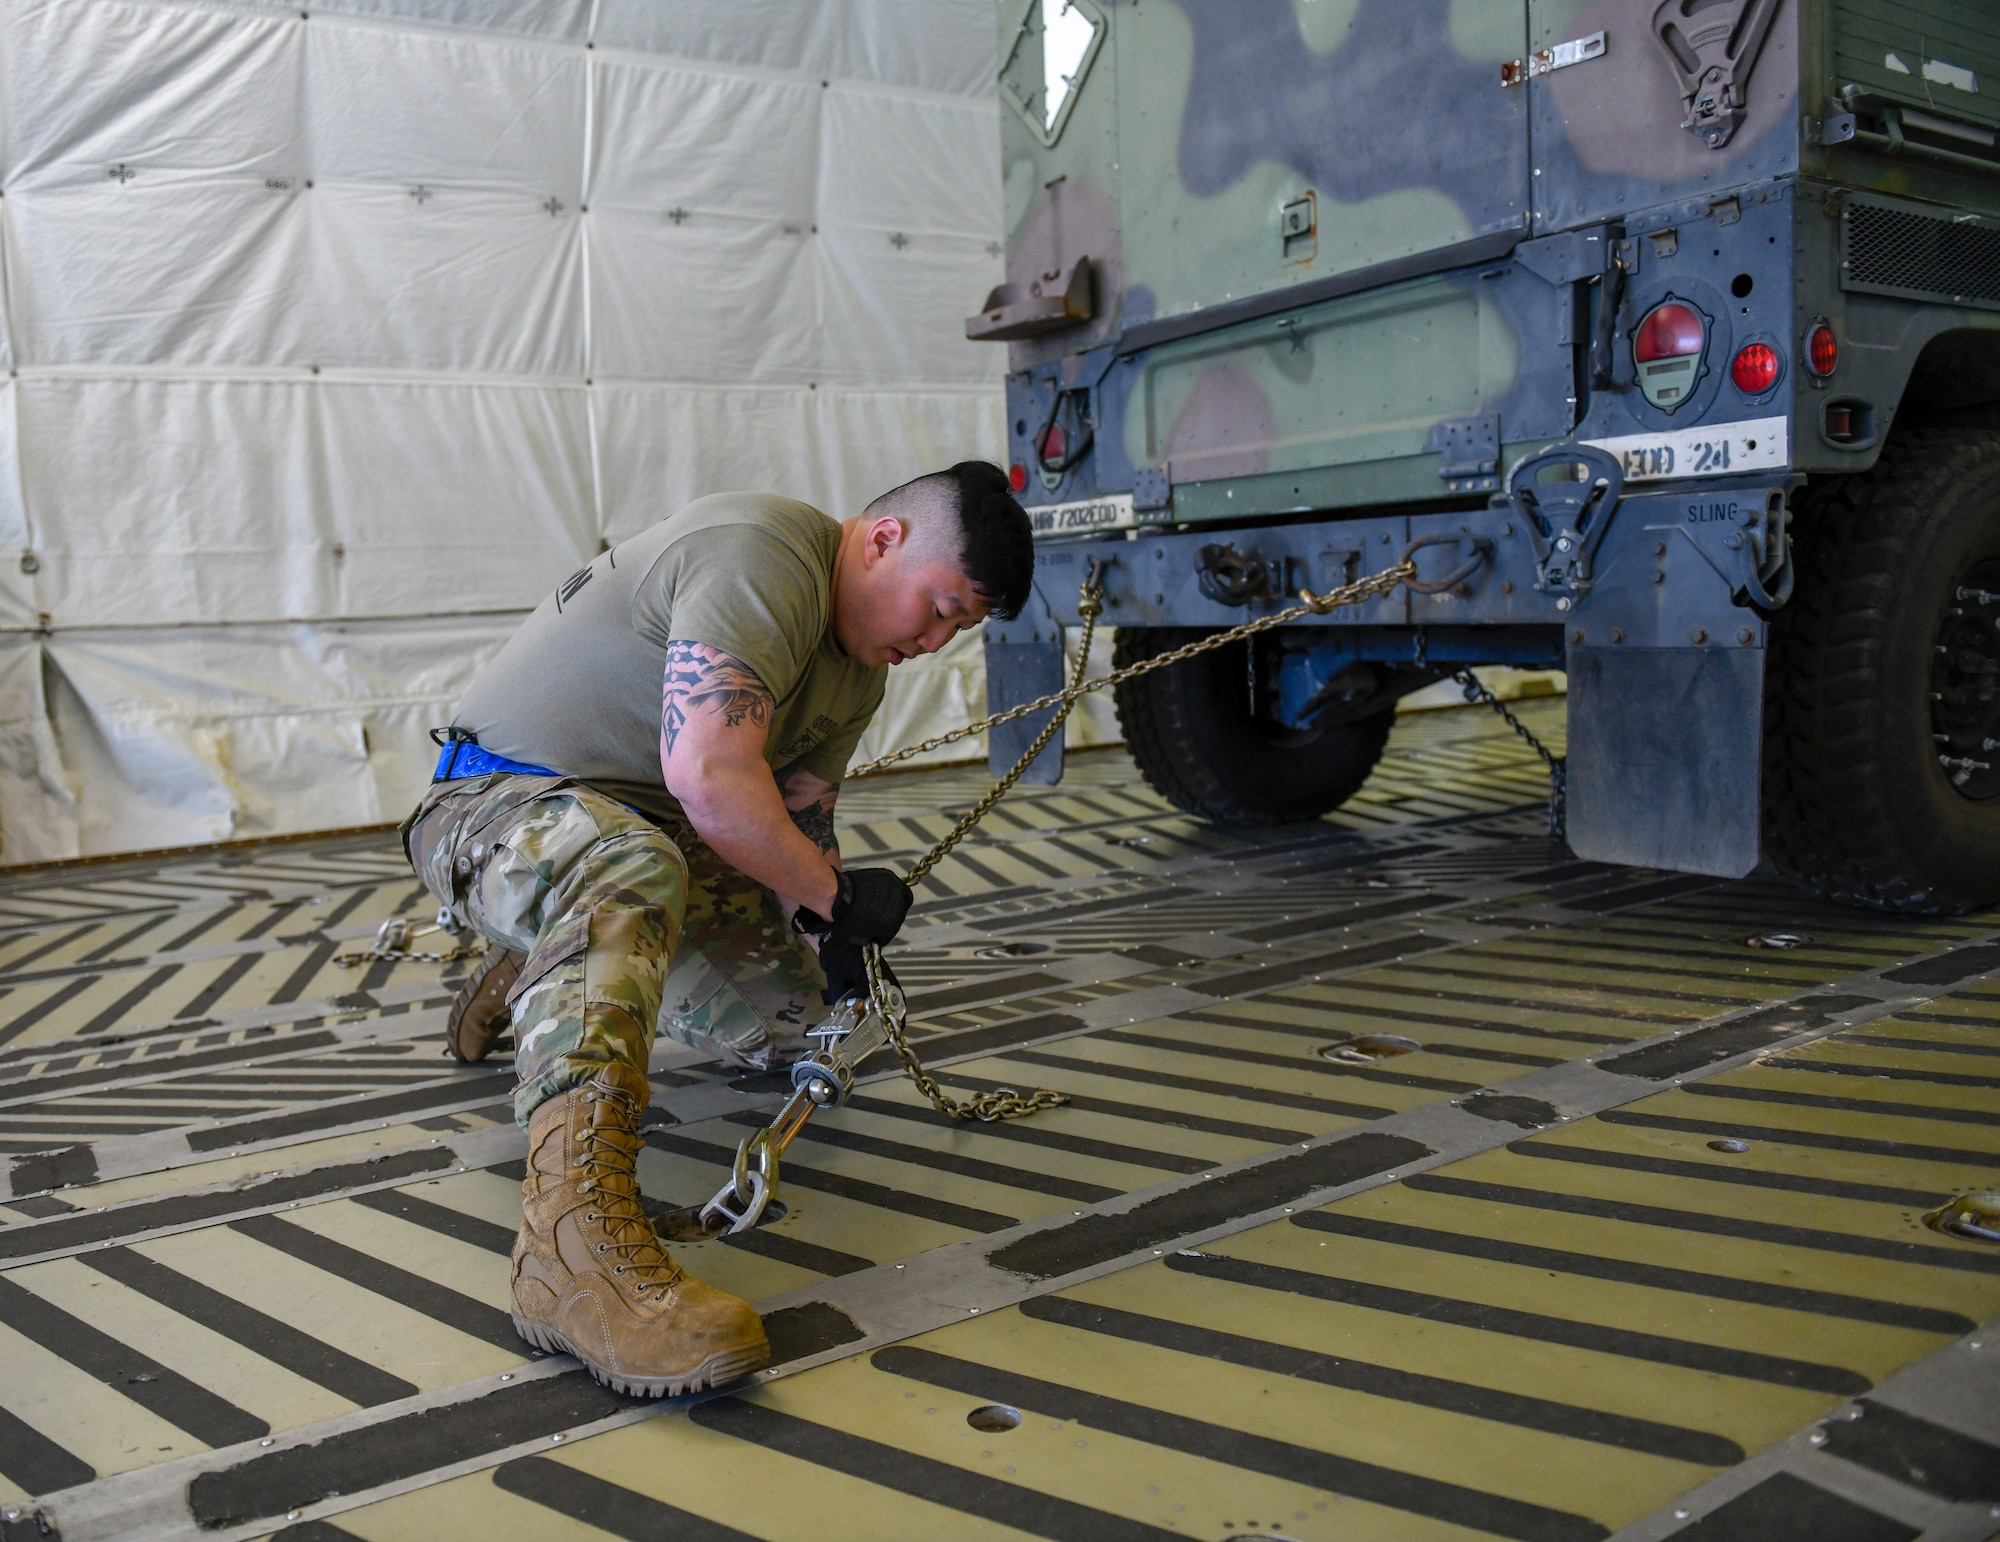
1417, 1181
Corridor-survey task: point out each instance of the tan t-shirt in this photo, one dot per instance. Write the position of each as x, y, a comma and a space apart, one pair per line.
577, 689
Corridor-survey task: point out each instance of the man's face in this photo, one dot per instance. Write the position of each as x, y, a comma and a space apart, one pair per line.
907, 603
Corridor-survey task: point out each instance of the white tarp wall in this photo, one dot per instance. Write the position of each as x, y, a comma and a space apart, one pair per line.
335, 338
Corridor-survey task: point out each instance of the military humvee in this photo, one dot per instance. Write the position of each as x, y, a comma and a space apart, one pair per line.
1664, 336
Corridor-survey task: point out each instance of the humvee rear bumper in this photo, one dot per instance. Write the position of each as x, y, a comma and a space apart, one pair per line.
1663, 639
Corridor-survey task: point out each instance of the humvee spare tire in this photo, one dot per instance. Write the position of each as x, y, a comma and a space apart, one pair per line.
1190, 728
1882, 687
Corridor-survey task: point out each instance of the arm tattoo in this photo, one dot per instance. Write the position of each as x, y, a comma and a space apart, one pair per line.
704, 679
815, 820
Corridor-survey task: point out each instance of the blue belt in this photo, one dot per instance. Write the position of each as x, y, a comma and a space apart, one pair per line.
464, 758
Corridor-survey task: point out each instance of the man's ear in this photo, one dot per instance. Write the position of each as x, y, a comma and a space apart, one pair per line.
884, 536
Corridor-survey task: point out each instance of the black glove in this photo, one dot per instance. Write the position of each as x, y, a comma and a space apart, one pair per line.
847, 971
868, 906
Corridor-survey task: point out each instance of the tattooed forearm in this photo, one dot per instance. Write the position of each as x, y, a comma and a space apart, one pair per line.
815, 822
704, 679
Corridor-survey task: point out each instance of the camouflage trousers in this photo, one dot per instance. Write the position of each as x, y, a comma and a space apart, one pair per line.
630, 928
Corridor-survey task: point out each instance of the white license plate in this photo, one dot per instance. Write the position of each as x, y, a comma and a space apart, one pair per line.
1114, 513
1701, 452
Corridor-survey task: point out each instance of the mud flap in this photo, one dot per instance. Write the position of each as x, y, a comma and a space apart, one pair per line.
1024, 659
1664, 753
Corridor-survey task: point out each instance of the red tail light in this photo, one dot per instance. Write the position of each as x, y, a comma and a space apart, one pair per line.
1822, 350
1755, 369
1668, 348
1017, 477
1670, 332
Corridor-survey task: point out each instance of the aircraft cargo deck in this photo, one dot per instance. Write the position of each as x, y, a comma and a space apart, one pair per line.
1417, 1181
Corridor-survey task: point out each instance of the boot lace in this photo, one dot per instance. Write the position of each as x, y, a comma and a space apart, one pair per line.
609, 1154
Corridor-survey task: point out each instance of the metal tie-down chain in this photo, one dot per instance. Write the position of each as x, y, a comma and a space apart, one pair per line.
853, 1032
393, 939
1558, 765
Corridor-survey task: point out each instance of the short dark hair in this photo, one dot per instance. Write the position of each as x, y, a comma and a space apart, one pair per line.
999, 550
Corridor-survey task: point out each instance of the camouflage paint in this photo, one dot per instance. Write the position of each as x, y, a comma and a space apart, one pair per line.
629, 929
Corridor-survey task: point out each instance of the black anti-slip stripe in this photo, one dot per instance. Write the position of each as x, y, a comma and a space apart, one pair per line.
1949, 968
1000, 1036
1789, 1507
1368, 1009
308, 970
1321, 1032
1511, 1408
1200, 1205
122, 1221
1055, 916
1722, 1287
437, 1302
348, 906
220, 986
1220, 1089
363, 1110
13, 966
1286, 972
1738, 1036
1770, 1232
1874, 1106
1459, 968
1313, 1065
1327, 920
1917, 1452
797, 1252
14, 1027
1921, 1046
944, 1161
171, 1396
1719, 1172
441, 1219
1450, 1502
1779, 1135
1875, 1072
207, 924
106, 950
1628, 1344
970, 1493
278, 912
965, 1217
1416, 990
279, 1342
355, 1461
32, 1461
1146, 1113
578, 1496
991, 988
1030, 1135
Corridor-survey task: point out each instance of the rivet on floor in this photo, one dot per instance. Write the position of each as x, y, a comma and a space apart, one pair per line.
265, 1441
506, 1375
555, 1437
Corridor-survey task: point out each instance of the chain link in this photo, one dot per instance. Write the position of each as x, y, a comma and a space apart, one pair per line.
392, 945
1005, 1102
1558, 765
1310, 604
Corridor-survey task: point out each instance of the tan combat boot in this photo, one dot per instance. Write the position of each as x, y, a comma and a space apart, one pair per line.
478, 1015
590, 1276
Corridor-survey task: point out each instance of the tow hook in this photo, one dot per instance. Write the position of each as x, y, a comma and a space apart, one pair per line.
1228, 577
1566, 519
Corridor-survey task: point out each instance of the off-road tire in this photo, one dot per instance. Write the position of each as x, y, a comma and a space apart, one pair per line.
1190, 729
1855, 805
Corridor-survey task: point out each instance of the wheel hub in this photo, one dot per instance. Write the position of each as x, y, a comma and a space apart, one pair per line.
1965, 685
